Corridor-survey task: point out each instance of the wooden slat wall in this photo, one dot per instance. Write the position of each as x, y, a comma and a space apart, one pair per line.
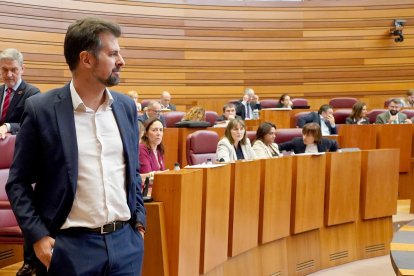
209, 51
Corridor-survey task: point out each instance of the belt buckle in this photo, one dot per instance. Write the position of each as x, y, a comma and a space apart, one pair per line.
106, 232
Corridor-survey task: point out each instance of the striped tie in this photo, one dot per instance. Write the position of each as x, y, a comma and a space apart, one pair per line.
6, 104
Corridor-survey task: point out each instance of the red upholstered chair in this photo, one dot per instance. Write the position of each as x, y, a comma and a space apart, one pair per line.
409, 113
343, 102
234, 101
268, 103
211, 117
144, 103
300, 102
172, 117
373, 113
287, 134
9, 230
341, 115
251, 134
298, 115
201, 145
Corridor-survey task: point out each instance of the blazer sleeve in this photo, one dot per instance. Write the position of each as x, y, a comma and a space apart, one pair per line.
249, 154
144, 159
260, 151
303, 120
380, 119
224, 151
287, 146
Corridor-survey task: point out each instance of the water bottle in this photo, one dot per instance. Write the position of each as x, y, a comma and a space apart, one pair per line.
209, 161
176, 166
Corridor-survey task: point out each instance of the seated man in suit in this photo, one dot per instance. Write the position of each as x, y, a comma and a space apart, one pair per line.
229, 113
393, 115
165, 101
247, 105
324, 117
14, 91
153, 110
13, 94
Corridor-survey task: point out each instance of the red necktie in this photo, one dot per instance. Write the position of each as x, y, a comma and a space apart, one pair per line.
6, 103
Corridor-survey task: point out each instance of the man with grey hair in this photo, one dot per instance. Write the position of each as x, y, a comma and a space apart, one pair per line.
246, 106
393, 115
153, 110
14, 91
165, 101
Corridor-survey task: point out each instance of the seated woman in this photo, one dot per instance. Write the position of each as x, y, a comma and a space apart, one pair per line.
358, 115
195, 114
264, 146
311, 142
151, 150
284, 102
235, 145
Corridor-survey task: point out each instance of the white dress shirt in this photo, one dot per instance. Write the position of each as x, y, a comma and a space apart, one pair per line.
101, 195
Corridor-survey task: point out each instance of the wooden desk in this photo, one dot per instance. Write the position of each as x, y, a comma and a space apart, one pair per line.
170, 141
358, 136
308, 190
279, 117
244, 206
275, 198
396, 136
181, 193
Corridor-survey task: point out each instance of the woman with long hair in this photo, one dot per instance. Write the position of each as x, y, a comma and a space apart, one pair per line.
264, 146
358, 114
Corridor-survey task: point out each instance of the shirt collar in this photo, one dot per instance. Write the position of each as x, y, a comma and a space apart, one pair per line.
15, 86
78, 103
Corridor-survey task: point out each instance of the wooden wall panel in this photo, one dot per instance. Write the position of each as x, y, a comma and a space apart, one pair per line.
209, 51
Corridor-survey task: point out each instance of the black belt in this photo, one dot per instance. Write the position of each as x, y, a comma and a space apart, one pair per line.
104, 229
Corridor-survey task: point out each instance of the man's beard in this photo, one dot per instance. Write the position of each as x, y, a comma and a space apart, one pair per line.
112, 80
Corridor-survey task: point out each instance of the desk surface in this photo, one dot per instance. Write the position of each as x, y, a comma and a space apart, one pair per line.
402, 250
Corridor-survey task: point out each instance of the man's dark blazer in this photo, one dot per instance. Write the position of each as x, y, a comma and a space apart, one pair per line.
172, 107
241, 111
297, 146
313, 117
144, 117
16, 107
46, 153
221, 118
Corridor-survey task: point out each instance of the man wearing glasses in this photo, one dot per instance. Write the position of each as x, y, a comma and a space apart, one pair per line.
153, 110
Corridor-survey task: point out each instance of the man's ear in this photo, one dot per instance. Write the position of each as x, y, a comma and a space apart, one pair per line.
23, 67
86, 59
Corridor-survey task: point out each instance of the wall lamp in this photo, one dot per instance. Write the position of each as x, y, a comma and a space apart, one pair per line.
397, 30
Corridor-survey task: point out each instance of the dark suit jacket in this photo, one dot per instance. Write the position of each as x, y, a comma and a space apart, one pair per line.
144, 117
297, 146
313, 117
241, 111
222, 118
351, 121
16, 106
172, 107
46, 153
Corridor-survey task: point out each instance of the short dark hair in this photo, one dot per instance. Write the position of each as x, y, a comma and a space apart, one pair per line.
83, 35
324, 108
396, 101
264, 129
313, 129
231, 125
148, 123
228, 105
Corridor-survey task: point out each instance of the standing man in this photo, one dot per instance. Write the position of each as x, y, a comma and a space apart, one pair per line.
165, 101
79, 144
13, 92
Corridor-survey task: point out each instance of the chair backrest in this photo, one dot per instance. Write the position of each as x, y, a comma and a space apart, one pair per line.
373, 113
172, 117
251, 134
7, 151
211, 117
341, 115
201, 145
268, 103
408, 112
300, 114
343, 102
287, 134
144, 103
299, 102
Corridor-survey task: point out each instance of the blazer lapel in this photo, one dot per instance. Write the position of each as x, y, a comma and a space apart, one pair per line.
67, 131
18, 95
1, 94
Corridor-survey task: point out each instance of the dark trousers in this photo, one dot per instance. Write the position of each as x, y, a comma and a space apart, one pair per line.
28, 253
84, 253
